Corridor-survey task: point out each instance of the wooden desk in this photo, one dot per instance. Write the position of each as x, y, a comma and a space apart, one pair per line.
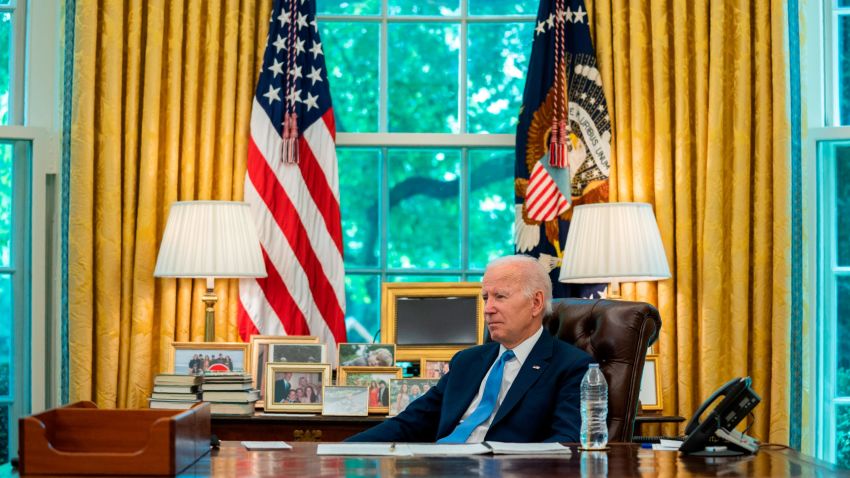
620, 461
318, 428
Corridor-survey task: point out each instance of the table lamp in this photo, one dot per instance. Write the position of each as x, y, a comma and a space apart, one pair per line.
613, 243
210, 239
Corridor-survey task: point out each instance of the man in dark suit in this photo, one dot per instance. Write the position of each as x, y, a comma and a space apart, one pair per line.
523, 387
282, 386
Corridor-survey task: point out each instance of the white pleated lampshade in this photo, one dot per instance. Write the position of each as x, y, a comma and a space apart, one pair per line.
613, 242
210, 239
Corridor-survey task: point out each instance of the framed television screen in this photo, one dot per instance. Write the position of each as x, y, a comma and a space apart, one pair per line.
422, 318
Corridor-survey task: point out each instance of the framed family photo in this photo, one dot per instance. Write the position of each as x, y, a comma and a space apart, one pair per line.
434, 365
431, 317
346, 401
296, 387
375, 379
301, 353
650, 385
206, 357
260, 356
404, 391
366, 355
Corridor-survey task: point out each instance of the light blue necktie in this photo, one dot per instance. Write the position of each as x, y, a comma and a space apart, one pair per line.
485, 407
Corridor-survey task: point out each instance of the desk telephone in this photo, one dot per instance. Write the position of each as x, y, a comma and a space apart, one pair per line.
716, 435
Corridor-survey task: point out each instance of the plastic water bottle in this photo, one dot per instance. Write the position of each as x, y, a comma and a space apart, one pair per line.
594, 409
594, 464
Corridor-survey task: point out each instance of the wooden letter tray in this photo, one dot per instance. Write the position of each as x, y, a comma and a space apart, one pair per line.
81, 439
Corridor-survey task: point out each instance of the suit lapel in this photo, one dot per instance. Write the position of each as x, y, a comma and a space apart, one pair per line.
533, 368
474, 374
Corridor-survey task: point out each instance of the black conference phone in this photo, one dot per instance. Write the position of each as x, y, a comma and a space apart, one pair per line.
716, 435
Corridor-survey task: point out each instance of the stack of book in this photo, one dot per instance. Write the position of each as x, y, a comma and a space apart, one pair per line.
230, 393
176, 392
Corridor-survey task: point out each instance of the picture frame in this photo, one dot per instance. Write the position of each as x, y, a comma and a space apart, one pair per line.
436, 367
259, 347
365, 354
404, 391
284, 380
298, 353
345, 401
426, 317
650, 385
365, 376
214, 357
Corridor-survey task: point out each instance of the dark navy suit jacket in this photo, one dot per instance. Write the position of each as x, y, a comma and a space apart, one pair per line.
541, 405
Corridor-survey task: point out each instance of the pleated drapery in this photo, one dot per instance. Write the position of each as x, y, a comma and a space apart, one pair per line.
698, 91
161, 106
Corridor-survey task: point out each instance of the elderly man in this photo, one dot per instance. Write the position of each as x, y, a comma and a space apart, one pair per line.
523, 387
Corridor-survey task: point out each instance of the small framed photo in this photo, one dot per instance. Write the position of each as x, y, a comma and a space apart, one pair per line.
434, 365
300, 353
376, 379
366, 355
296, 387
205, 357
260, 356
404, 391
650, 385
346, 401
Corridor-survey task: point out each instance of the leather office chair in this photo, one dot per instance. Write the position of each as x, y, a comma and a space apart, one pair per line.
616, 333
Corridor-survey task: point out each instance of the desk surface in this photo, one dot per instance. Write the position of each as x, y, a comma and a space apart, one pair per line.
622, 460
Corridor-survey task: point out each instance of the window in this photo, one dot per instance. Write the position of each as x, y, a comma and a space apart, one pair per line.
840, 57
426, 96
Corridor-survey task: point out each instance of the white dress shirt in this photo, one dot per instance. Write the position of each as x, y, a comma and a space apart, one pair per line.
509, 374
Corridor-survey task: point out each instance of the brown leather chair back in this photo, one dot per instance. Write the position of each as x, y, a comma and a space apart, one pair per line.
616, 333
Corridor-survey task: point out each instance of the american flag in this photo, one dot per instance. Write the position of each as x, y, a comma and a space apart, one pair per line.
294, 195
562, 32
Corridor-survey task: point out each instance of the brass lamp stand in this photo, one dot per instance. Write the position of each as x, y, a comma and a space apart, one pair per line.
209, 299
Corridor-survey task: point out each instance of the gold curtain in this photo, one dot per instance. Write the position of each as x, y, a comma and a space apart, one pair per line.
698, 92
161, 104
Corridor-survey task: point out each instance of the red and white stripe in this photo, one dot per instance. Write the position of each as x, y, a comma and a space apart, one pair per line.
297, 214
543, 201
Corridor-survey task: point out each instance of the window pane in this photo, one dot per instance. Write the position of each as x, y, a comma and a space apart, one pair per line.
6, 330
4, 434
352, 62
424, 219
362, 306
423, 77
424, 7
6, 37
6, 175
842, 438
359, 190
423, 278
348, 7
841, 153
474, 278
844, 67
503, 7
842, 336
497, 62
491, 205
844, 3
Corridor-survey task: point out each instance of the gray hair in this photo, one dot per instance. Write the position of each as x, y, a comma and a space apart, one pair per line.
534, 277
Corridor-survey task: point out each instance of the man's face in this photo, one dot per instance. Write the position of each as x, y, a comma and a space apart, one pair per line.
511, 316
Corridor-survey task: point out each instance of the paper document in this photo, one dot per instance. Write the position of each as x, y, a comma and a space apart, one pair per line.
266, 445
363, 449
436, 449
503, 448
667, 445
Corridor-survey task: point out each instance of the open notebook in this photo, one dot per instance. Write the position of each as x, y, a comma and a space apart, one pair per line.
436, 449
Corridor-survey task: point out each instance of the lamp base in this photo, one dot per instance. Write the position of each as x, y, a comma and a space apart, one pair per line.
209, 299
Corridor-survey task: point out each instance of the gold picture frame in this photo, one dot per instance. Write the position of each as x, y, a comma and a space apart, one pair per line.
432, 364
650, 385
470, 333
183, 352
345, 401
363, 376
314, 375
405, 390
359, 354
259, 348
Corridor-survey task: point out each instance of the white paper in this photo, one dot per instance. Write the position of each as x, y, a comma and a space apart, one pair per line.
437, 449
363, 449
266, 445
500, 448
667, 445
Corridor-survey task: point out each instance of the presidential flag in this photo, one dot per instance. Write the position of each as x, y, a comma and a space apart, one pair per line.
569, 117
293, 187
